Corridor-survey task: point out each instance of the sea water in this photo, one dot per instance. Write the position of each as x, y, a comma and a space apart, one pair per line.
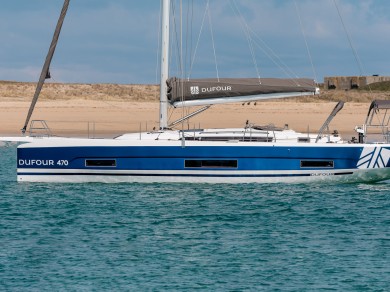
206, 237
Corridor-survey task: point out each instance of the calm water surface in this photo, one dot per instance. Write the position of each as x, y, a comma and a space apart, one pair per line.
138, 237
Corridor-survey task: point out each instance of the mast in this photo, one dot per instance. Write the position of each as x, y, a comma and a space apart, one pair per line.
164, 64
45, 70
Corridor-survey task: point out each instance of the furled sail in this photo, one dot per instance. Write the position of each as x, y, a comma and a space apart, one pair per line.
196, 92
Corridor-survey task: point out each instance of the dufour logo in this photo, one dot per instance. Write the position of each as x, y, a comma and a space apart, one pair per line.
374, 157
194, 89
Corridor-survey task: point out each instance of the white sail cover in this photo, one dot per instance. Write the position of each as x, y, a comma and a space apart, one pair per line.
193, 92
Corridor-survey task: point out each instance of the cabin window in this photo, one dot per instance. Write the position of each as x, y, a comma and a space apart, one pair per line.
317, 163
211, 163
100, 162
303, 139
232, 138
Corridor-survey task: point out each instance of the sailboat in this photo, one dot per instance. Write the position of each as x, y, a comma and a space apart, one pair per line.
252, 154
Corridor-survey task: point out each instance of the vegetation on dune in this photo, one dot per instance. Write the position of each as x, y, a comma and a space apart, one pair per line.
67, 91
377, 86
24, 91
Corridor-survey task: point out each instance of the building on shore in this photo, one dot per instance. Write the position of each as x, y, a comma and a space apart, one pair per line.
352, 82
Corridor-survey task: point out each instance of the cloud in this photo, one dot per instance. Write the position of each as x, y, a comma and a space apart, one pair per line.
96, 37
116, 41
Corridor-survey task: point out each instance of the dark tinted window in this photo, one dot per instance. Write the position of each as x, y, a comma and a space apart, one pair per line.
317, 163
211, 163
100, 162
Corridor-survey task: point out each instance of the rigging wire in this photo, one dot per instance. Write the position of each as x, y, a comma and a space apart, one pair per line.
357, 59
189, 29
181, 62
274, 57
188, 46
257, 41
304, 37
158, 46
261, 44
178, 44
247, 34
175, 43
349, 39
212, 39
197, 43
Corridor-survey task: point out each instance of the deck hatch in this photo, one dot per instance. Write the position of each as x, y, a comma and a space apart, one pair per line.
210, 163
317, 163
100, 162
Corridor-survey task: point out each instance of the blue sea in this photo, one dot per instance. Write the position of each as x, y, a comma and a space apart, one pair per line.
203, 237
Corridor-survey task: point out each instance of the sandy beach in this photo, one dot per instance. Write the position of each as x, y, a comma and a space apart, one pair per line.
106, 111
98, 118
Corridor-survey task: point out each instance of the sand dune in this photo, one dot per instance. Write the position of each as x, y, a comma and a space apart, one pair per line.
109, 109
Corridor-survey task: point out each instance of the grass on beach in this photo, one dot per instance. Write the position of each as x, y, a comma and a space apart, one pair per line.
24, 91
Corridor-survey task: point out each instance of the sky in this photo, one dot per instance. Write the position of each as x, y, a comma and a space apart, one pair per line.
117, 41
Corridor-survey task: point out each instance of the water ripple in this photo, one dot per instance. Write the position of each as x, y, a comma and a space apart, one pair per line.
187, 237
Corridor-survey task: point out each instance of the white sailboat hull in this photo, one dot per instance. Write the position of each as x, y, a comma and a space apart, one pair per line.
172, 160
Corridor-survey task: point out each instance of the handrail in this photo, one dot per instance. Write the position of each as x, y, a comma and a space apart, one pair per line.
334, 112
43, 127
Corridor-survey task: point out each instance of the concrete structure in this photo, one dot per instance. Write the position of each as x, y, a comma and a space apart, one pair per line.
352, 82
